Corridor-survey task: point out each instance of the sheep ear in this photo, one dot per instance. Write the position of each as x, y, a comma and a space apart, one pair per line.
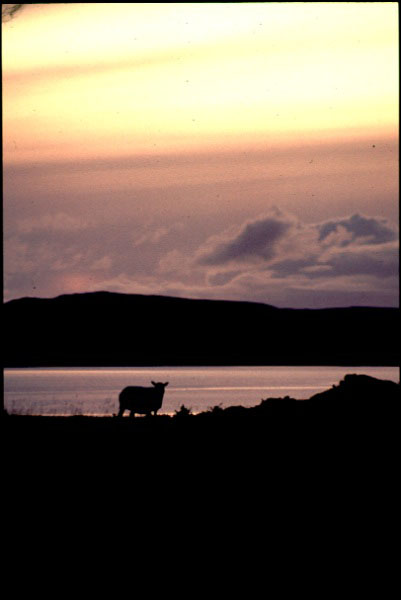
166, 384
153, 383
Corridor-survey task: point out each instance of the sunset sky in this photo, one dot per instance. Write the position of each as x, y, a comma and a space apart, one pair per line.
240, 151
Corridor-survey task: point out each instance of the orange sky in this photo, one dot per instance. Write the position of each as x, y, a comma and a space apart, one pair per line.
90, 80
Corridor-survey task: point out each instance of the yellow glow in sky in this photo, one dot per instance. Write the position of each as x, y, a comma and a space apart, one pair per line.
109, 79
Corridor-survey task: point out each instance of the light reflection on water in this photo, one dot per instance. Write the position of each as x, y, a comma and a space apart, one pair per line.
94, 391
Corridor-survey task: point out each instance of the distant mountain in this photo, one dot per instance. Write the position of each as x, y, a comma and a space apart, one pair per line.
108, 329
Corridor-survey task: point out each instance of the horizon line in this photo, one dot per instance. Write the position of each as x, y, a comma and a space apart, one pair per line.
191, 299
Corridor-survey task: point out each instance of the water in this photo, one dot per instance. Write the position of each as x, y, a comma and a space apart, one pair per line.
94, 391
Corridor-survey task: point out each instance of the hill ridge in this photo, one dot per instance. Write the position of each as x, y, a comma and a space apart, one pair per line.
113, 329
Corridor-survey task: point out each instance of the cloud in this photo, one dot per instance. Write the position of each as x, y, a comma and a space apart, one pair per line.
272, 258
102, 264
222, 277
299, 291
290, 266
356, 245
365, 230
380, 261
60, 222
256, 241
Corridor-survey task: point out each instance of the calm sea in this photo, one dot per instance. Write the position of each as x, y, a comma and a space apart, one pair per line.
94, 391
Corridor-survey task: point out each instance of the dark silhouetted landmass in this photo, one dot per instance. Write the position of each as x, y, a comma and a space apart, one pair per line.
108, 329
343, 439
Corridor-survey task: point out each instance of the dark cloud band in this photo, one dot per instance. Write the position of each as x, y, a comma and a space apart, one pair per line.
256, 240
369, 230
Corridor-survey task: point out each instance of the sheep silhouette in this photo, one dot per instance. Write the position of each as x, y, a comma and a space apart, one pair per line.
142, 400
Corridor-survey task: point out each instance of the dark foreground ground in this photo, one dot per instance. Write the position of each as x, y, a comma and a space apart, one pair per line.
358, 413
284, 482
284, 495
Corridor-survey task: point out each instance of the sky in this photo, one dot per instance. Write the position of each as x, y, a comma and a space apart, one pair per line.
238, 151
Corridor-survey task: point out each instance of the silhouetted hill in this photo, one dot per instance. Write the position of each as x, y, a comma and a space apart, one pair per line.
359, 392
109, 329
